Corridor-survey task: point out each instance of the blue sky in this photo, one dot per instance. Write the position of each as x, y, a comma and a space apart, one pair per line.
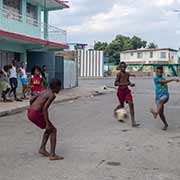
101, 20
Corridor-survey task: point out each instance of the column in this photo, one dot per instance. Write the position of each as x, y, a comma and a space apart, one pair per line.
1, 5
24, 10
45, 24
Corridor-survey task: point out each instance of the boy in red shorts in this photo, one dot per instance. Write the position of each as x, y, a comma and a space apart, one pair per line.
38, 114
124, 93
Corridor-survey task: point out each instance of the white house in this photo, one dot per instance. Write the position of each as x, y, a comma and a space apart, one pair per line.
150, 56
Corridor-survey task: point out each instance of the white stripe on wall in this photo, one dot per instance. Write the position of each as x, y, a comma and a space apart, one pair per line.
91, 63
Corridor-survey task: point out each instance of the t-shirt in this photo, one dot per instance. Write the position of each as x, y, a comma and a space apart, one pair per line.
36, 82
23, 72
161, 89
13, 73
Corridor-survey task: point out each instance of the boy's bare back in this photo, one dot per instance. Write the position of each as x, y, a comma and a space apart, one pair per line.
38, 102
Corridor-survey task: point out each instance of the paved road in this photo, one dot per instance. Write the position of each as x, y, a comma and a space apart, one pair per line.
94, 144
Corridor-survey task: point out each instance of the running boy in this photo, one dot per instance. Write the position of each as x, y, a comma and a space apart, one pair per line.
124, 93
162, 95
38, 114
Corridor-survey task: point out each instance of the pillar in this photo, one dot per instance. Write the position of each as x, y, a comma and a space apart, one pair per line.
46, 25
24, 10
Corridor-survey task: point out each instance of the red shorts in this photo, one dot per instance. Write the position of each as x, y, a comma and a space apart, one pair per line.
124, 95
37, 118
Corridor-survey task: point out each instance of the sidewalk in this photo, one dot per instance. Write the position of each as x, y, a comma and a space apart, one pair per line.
64, 96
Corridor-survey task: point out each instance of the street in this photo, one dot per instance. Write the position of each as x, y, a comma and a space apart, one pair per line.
95, 145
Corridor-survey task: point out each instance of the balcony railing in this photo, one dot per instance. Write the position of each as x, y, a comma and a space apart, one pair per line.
37, 29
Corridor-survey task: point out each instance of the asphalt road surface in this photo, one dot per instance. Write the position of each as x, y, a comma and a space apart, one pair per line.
94, 144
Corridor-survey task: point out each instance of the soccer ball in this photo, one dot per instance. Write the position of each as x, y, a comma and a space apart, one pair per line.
121, 114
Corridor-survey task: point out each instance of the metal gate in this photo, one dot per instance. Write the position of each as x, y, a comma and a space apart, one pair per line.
59, 69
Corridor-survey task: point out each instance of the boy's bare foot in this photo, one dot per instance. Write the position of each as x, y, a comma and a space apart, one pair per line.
44, 152
155, 114
56, 157
165, 128
135, 125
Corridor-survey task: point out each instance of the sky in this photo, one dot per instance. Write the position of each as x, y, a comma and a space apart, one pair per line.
88, 21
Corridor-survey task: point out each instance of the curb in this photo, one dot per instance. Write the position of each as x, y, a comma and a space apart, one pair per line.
21, 109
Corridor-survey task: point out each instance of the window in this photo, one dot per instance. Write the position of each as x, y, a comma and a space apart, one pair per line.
12, 9
139, 55
15, 4
31, 14
151, 55
163, 55
132, 54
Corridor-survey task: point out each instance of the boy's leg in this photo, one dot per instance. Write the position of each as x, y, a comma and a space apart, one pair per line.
53, 155
131, 108
162, 117
160, 108
42, 149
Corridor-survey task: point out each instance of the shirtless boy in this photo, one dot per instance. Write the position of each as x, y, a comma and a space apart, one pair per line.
38, 114
124, 93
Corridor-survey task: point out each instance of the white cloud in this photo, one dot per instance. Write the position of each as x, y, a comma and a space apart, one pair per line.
102, 20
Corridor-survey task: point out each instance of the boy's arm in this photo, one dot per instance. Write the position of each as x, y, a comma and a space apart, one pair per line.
117, 83
45, 109
32, 100
168, 81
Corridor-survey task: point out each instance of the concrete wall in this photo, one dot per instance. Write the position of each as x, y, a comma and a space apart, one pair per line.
70, 76
91, 63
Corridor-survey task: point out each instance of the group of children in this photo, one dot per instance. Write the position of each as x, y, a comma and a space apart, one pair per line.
161, 89
39, 104
9, 82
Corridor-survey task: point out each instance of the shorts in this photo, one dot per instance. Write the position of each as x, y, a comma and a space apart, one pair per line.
24, 81
37, 118
164, 98
124, 95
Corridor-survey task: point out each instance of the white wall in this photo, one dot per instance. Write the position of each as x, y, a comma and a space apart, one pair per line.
91, 63
69, 74
127, 57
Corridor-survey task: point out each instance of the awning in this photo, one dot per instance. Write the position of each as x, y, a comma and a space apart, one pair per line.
51, 4
30, 43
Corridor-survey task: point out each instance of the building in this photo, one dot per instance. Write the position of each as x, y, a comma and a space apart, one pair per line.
145, 61
25, 34
150, 56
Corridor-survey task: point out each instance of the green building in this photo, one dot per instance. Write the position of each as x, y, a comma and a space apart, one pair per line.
25, 33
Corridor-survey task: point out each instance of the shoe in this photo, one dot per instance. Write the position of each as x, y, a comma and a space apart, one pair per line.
19, 100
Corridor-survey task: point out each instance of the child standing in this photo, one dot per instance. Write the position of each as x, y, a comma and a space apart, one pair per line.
44, 76
124, 93
24, 80
4, 85
162, 95
36, 82
38, 114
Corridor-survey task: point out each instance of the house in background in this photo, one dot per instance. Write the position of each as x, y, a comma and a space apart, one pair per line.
25, 34
145, 61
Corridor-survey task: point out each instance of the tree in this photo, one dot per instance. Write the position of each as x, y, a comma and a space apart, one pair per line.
138, 43
119, 44
152, 46
101, 46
